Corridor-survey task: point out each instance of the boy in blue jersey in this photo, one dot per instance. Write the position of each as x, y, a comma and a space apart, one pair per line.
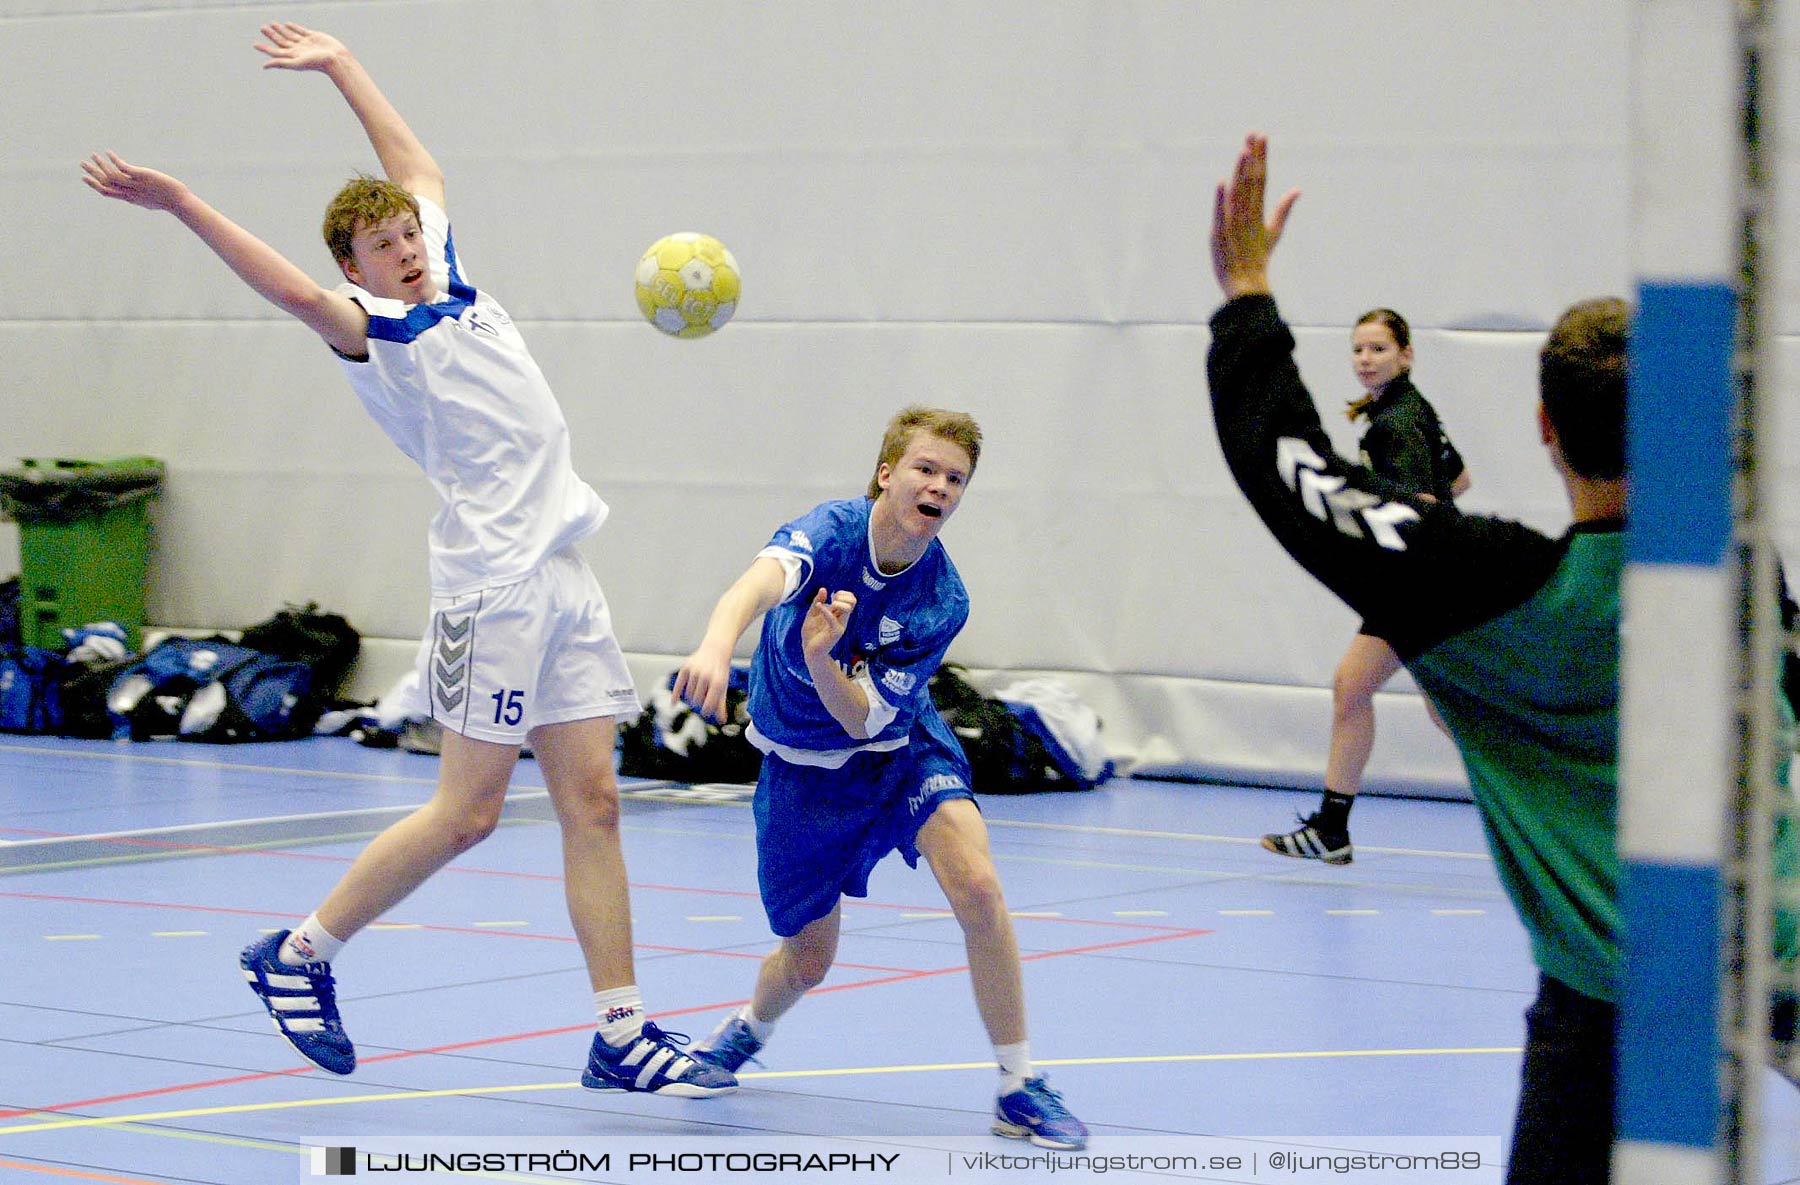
521, 645
860, 602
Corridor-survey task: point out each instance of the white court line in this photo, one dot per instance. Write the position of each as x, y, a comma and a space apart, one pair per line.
198, 763
1202, 837
183, 828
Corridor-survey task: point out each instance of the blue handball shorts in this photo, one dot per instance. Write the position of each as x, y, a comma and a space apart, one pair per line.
821, 832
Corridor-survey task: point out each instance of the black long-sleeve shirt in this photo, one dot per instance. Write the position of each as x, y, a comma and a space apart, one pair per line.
1405, 442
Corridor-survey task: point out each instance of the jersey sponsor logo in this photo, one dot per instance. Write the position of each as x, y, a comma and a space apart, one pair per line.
935, 784
870, 580
899, 682
1329, 498
888, 632
797, 541
484, 320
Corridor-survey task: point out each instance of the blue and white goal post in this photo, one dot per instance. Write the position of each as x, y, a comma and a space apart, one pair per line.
1699, 733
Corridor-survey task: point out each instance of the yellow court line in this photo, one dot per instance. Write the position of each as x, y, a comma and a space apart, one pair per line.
199, 1137
69, 937
421, 1095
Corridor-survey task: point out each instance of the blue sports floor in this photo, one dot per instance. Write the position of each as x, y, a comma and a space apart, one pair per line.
1205, 1007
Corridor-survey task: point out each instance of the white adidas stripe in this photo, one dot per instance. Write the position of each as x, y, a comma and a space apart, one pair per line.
653, 1066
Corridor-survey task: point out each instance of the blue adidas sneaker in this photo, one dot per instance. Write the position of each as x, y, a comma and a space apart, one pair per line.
302, 1001
1036, 1113
730, 1046
653, 1064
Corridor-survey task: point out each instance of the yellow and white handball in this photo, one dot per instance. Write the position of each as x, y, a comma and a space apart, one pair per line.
687, 284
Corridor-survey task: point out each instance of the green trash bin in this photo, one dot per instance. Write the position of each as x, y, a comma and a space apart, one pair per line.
84, 543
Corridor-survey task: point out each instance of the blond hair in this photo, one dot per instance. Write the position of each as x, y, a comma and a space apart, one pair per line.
958, 427
363, 202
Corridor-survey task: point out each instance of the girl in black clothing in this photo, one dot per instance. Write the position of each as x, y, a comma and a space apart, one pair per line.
1404, 443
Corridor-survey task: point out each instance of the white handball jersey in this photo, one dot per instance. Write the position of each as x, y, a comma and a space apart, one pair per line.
453, 384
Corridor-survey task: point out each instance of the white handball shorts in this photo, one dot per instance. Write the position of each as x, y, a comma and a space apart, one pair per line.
498, 662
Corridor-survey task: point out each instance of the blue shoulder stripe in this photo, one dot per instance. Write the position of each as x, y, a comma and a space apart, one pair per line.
459, 288
420, 317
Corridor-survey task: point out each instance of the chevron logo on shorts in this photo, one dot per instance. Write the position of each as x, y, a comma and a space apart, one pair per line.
449, 663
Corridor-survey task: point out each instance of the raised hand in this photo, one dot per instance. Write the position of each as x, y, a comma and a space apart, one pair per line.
826, 620
109, 175
295, 47
1242, 241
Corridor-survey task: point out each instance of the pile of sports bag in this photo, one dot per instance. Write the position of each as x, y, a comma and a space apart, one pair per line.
272, 683
1031, 735
1028, 736
671, 740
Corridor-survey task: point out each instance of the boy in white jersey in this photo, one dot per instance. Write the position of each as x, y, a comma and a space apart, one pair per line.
860, 602
521, 644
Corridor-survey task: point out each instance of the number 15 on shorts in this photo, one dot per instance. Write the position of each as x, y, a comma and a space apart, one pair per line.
509, 706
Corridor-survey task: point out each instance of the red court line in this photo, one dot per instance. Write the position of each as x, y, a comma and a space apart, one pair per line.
1041, 955
76, 1173
581, 1028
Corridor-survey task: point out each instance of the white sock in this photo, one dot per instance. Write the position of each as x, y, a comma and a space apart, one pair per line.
310, 942
620, 1012
762, 1030
1015, 1065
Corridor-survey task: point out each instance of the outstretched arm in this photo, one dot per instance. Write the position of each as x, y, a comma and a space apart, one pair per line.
403, 158
1417, 571
706, 674
337, 319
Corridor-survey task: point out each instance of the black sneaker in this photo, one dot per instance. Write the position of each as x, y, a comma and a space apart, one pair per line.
1307, 842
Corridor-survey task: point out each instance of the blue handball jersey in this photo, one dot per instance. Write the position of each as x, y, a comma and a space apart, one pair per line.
902, 625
